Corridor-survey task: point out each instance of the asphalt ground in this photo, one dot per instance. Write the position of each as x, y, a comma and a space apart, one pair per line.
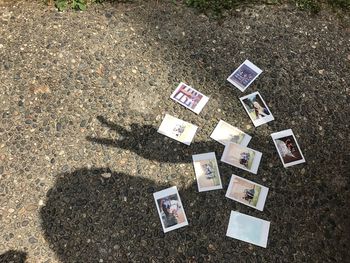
82, 95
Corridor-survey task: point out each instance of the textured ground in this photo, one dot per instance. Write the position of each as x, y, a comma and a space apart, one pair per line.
82, 95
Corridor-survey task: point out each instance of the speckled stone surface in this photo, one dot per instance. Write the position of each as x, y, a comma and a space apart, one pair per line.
83, 93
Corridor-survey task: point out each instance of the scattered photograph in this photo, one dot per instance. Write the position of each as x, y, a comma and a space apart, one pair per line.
225, 133
189, 97
207, 172
244, 75
248, 229
256, 108
287, 148
177, 129
247, 192
171, 212
241, 157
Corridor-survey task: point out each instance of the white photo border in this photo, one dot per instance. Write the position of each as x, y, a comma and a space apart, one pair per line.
216, 132
206, 156
198, 107
262, 196
282, 134
256, 161
264, 229
164, 193
260, 121
251, 66
163, 129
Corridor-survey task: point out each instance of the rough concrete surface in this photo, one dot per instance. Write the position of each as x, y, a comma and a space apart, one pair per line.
83, 93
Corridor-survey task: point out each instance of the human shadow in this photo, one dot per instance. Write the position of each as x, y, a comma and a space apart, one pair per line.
13, 256
145, 141
97, 215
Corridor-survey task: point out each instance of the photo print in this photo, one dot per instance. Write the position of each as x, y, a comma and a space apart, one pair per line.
247, 192
287, 148
189, 97
207, 172
244, 75
177, 129
248, 229
225, 133
241, 157
170, 210
257, 109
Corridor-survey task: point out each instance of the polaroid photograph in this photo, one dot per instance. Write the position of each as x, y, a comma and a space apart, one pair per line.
244, 75
247, 192
207, 172
248, 229
257, 109
241, 157
171, 212
225, 133
189, 97
177, 129
287, 148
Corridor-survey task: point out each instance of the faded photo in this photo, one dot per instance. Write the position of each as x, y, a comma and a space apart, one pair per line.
244, 191
225, 133
207, 172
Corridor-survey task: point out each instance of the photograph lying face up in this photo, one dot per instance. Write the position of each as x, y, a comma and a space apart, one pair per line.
287, 148
256, 108
241, 157
177, 129
189, 97
244, 75
170, 210
207, 172
247, 192
225, 133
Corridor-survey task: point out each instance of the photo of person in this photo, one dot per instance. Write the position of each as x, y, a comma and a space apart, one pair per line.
249, 229
189, 97
244, 75
225, 133
170, 209
256, 108
177, 129
241, 157
247, 192
288, 148
207, 172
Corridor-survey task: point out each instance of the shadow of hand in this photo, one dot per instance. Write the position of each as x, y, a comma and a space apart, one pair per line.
145, 141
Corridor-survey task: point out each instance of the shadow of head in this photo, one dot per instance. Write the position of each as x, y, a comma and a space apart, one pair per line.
145, 141
91, 218
13, 256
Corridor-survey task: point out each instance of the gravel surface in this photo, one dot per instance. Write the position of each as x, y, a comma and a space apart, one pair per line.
83, 93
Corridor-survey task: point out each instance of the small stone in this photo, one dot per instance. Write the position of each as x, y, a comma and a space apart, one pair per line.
28, 121
32, 240
41, 203
134, 71
321, 71
58, 126
1, 169
25, 223
106, 175
52, 160
349, 57
83, 123
11, 210
303, 171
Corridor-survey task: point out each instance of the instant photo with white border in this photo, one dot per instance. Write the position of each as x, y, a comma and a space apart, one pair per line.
262, 194
232, 148
260, 120
249, 229
280, 135
223, 131
172, 125
252, 67
212, 174
176, 96
165, 193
